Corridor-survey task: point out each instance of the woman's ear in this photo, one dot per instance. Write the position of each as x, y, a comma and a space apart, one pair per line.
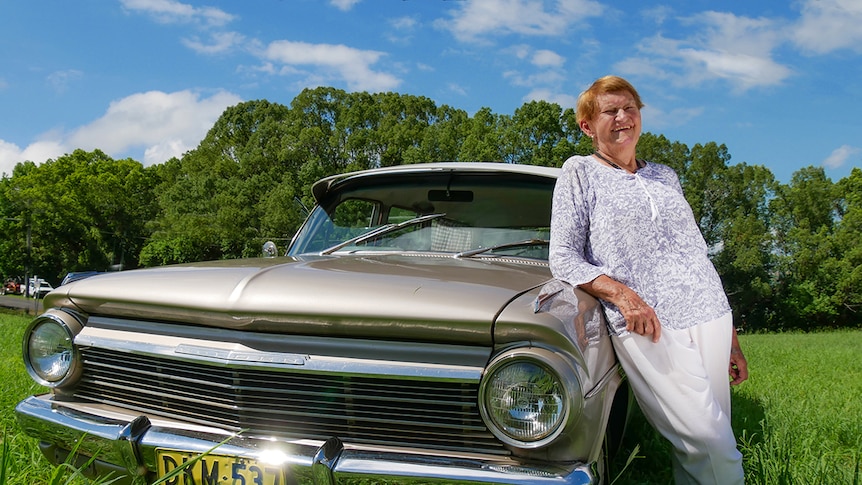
585, 127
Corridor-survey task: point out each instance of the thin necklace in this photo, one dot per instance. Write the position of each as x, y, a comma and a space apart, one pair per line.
638, 163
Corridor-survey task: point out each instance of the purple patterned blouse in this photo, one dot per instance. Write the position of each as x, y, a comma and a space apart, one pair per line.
639, 230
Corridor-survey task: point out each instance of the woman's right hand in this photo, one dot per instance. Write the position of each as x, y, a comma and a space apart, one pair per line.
640, 317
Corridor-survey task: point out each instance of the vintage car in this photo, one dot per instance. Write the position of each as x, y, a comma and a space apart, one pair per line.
11, 286
410, 334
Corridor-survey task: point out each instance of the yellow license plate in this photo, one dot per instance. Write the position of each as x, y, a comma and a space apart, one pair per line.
217, 470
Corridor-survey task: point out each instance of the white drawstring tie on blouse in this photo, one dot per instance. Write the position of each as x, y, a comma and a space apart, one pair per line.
653, 208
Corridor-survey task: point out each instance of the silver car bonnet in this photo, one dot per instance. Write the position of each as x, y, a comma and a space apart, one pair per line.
422, 296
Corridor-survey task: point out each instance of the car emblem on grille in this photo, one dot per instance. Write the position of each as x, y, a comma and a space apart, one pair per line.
251, 356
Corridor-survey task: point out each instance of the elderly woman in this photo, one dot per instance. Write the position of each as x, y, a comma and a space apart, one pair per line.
622, 231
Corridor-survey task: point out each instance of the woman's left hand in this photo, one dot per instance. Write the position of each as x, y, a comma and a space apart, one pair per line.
738, 365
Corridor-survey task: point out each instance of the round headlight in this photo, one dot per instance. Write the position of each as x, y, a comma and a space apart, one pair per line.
524, 399
49, 352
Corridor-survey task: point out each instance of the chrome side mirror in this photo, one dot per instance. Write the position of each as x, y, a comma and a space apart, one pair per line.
269, 250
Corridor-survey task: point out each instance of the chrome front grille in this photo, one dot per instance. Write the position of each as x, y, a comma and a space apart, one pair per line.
407, 413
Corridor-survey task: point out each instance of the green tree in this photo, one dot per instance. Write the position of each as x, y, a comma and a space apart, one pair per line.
745, 259
403, 120
84, 211
215, 201
705, 189
806, 213
658, 149
539, 133
848, 275
442, 140
482, 140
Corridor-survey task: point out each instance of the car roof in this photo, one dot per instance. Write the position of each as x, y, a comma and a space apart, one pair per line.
324, 186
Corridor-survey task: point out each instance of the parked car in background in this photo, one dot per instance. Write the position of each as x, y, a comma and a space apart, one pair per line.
38, 288
11, 286
411, 333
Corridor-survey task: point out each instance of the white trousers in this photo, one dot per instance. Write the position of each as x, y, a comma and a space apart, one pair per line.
681, 384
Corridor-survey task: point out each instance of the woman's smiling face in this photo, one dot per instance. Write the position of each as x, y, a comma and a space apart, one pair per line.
617, 125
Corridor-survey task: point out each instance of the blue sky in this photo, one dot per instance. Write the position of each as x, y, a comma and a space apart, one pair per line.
777, 81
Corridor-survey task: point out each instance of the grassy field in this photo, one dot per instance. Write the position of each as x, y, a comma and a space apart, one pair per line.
798, 419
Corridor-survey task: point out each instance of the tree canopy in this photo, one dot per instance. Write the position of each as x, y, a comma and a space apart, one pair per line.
790, 255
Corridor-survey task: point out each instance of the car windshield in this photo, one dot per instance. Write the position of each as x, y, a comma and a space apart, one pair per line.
468, 214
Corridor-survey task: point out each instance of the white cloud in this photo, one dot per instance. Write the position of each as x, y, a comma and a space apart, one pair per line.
544, 76
347, 64
828, 25
745, 71
10, 154
158, 124
840, 156
59, 80
545, 58
657, 14
39, 151
344, 5
457, 89
163, 124
402, 30
316, 64
642, 67
540, 78
219, 42
726, 47
171, 11
655, 118
478, 18
521, 51
403, 23
562, 99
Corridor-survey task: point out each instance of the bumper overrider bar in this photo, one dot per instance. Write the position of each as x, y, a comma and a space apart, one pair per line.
128, 446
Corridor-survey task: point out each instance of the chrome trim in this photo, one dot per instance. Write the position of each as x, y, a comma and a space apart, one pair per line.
614, 371
237, 355
324, 461
131, 442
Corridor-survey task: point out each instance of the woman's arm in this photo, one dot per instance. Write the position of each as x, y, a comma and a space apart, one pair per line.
640, 317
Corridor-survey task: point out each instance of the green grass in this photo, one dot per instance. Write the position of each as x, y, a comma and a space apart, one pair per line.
24, 463
798, 418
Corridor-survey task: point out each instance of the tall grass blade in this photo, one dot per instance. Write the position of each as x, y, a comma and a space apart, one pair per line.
632, 456
4, 459
856, 476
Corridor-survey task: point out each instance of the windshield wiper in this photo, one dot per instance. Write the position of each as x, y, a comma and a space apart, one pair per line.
526, 242
379, 231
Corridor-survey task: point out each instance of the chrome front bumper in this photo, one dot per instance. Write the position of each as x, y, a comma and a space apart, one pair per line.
126, 444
